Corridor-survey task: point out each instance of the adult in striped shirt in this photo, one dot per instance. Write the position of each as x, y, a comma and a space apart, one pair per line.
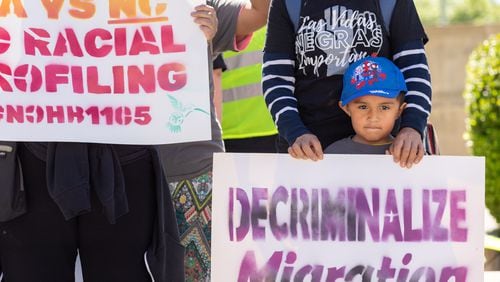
304, 66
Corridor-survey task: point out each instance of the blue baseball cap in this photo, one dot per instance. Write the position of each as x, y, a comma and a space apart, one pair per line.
372, 76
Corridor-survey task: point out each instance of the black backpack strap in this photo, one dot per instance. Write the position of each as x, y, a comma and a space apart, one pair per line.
293, 8
386, 8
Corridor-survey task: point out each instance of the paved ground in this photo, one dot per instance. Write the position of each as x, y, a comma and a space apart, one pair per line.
492, 276
489, 222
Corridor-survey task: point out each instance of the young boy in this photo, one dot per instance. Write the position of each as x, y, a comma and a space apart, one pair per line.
372, 96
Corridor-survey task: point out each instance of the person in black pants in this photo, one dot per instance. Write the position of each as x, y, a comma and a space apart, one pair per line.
42, 246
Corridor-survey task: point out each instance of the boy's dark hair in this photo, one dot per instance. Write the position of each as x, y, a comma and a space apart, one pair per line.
401, 97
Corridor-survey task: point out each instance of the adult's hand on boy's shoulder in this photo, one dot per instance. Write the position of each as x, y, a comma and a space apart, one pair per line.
306, 146
407, 148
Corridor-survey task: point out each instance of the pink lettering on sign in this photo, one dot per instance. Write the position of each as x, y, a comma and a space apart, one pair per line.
348, 215
4, 40
281, 267
100, 42
58, 114
131, 79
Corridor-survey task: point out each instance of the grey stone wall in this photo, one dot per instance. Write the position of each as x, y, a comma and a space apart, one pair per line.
448, 51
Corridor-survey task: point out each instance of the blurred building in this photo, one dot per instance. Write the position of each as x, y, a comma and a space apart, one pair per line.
448, 52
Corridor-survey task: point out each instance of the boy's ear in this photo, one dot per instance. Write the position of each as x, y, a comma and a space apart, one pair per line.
344, 108
401, 108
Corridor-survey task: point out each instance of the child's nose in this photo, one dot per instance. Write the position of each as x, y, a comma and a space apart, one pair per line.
372, 114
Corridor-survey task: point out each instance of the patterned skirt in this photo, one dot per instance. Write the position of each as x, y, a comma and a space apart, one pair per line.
193, 205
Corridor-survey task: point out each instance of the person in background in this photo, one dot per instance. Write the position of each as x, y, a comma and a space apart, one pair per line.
303, 69
373, 98
189, 165
247, 126
219, 66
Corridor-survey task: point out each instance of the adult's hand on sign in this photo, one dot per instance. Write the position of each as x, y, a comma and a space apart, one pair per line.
407, 148
306, 146
206, 18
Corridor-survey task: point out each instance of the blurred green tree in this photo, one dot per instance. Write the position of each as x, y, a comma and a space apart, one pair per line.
482, 99
428, 10
436, 12
475, 11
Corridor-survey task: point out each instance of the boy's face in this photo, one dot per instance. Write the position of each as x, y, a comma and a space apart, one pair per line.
373, 118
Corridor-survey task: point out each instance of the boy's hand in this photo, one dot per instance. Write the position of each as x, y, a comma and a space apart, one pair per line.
407, 148
305, 147
206, 18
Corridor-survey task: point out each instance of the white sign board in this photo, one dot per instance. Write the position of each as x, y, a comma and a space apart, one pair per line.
116, 71
347, 218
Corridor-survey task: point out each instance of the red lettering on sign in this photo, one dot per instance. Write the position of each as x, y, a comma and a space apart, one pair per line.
4, 40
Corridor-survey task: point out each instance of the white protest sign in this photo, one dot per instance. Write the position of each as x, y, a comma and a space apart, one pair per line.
112, 71
347, 218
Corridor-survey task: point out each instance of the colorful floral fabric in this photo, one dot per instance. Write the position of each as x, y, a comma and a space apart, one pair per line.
193, 205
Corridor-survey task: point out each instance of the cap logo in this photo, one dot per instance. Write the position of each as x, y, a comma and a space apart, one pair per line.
367, 74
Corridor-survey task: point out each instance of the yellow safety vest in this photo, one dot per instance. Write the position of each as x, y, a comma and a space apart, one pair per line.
244, 111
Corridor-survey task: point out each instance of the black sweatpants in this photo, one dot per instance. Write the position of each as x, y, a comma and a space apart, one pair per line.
41, 246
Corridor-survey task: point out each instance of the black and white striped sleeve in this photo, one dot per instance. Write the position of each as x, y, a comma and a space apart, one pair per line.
412, 61
278, 86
